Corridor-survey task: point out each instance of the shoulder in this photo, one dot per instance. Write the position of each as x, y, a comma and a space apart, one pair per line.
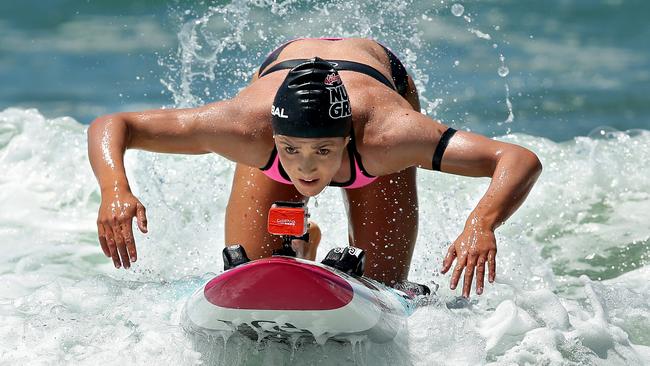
249, 112
396, 138
238, 128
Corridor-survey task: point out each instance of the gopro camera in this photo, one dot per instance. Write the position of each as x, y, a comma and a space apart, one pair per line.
288, 219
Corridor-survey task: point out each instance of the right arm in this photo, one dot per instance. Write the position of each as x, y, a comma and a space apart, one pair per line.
220, 127
412, 140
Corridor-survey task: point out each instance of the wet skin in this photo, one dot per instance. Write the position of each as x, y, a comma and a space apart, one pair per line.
311, 163
392, 137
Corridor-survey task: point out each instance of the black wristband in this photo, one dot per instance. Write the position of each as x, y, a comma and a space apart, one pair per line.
440, 149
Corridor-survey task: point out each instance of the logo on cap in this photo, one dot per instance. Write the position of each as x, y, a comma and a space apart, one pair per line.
332, 78
339, 102
277, 111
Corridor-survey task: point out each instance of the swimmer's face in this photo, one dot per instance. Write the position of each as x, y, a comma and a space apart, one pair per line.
311, 163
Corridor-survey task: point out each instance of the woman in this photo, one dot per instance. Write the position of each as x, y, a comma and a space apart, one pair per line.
340, 112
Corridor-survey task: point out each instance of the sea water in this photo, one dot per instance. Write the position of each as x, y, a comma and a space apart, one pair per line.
573, 263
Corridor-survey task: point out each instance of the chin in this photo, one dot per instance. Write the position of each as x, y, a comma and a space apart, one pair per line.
310, 192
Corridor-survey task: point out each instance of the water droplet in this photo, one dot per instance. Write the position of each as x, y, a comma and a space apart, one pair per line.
503, 69
457, 10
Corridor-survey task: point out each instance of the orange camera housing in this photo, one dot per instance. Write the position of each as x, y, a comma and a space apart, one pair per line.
287, 218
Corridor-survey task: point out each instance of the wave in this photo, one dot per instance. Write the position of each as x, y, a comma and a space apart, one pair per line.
572, 264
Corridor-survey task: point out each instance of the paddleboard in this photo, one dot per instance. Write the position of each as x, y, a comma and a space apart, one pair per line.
286, 298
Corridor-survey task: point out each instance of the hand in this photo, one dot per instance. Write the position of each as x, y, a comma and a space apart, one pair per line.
115, 226
472, 249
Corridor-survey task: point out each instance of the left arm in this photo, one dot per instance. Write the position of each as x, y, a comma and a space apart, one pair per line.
513, 170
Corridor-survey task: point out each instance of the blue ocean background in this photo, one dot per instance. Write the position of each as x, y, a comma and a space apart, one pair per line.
574, 65
568, 79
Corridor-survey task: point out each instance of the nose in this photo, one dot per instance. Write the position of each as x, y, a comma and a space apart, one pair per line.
307, 170
307, 166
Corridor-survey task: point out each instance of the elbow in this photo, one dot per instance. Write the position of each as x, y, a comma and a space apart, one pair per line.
95, 128
102, 121
535, 163
99, 123
96, 124
531, 161
111, 124
518, 156
522, 159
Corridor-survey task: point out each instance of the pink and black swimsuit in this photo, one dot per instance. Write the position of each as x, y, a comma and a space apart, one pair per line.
359, 177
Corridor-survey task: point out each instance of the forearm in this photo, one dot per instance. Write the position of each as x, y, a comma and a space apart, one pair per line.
515, 173
107, 141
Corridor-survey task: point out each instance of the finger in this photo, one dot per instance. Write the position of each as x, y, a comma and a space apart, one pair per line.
127, 233
480, 274
492, 265
469, 276
141, 214
455, 277
121, 246
112, 246
102, 240
449, 259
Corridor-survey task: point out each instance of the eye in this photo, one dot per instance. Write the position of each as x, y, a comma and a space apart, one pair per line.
323, 151
290, 150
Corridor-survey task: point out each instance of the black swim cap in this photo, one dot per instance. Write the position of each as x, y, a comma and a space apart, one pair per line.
312, 102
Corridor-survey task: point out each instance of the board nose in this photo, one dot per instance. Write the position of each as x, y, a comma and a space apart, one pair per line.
279, 284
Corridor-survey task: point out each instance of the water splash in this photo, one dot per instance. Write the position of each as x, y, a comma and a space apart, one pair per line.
457, 10
480, 34
511, 114
503, 70
591, 198
246, 32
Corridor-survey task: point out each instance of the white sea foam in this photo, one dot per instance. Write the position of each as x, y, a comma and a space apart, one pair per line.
63, 302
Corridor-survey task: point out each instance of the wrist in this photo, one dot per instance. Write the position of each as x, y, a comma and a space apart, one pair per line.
482, 222
115, 187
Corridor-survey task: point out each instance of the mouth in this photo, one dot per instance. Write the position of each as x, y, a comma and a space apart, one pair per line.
309, 182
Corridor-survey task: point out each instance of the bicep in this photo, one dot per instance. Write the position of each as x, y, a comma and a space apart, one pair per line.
185, 131
221, 127
470, 154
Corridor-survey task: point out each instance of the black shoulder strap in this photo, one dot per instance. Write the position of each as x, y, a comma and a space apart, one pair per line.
269, 163
338, 65
352, 145
284, 65
398, 72
272, 57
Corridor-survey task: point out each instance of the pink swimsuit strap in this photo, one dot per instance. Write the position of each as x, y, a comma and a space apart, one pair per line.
359, 177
